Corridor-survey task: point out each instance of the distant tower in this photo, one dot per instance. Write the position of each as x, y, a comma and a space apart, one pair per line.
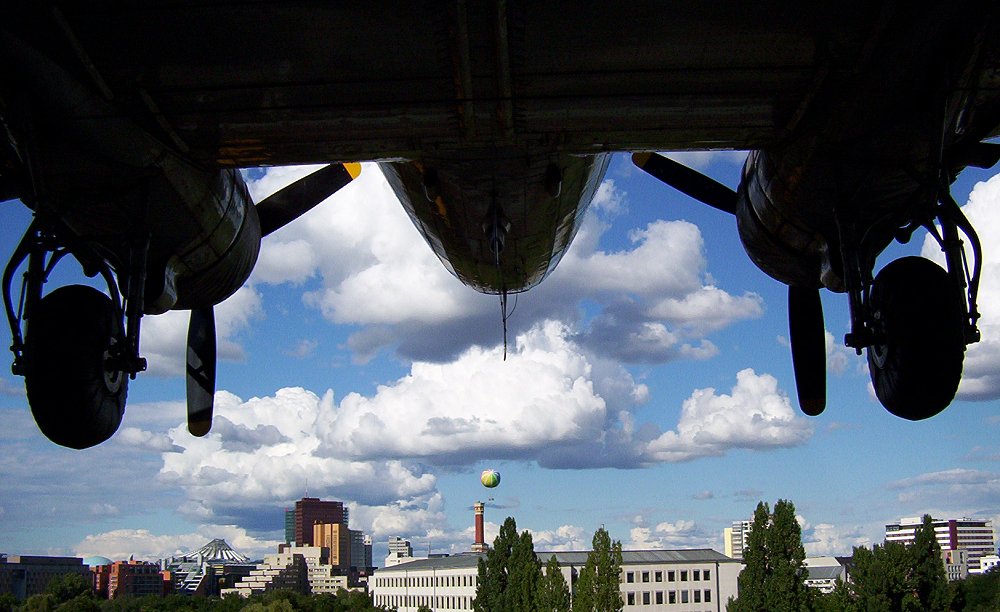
310, 510
480, 544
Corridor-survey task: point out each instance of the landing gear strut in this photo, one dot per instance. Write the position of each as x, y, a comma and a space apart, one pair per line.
76, 353
916, 318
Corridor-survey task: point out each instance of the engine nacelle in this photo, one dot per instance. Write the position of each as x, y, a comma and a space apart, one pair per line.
776, 236
221, 253
500, 221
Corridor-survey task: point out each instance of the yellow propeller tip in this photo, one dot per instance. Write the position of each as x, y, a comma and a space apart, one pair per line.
354, 169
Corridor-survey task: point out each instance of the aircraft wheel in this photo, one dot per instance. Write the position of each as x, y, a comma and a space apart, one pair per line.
75, 400
917, 364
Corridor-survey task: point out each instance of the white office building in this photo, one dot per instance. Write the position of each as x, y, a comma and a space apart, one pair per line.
682, 580
974, 536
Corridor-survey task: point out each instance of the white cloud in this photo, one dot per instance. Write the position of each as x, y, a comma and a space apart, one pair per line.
958, 491
564, 537
826, 539
164, 337
142, 544
549, 402
755, 415
372, 269
981, 377
671, 536
702, 159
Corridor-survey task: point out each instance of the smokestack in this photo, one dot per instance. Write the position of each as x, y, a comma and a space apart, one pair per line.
480, 544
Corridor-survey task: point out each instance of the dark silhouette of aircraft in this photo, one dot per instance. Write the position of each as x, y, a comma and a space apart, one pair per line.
125, 126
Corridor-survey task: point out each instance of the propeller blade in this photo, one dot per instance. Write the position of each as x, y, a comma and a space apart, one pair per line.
200, 370
808, 338
687, 181
291, 202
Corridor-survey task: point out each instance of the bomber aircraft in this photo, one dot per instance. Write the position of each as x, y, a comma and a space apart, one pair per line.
125, 126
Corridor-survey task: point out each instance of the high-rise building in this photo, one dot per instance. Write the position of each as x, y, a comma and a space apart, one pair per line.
736, 539
336, 538
400, 551
310, 510
289, 526
975, 536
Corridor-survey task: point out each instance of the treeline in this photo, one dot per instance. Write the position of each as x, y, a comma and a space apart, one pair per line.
889, 577
511, 577
73, 593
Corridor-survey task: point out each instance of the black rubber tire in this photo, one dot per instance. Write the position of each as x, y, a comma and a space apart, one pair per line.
75, 402
917, 366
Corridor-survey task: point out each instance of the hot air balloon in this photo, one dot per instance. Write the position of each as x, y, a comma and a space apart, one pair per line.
490, 478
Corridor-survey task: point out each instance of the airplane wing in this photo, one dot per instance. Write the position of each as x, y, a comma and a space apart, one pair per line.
237, 84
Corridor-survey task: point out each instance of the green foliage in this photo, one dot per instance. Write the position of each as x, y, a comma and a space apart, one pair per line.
7, 602
897, 578
64, 587
978, 592
597, 588
928, 574
879, 579
773, 578
510, 574
43, 602
553, 592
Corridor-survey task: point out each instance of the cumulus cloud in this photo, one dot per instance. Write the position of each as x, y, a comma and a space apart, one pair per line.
826, 539
164, 337
755, 415
981, 377
681, 534
550, 402
121, 544
360, 261
959, 491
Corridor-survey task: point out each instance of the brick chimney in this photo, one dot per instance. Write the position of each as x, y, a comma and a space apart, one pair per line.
480, 544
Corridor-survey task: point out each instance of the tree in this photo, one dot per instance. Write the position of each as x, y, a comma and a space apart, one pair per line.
774, 576
897, 578
525, 574
930, 582
553, 592
982, 592
879, 578
64, 587
598, 588
510, 573
7, 602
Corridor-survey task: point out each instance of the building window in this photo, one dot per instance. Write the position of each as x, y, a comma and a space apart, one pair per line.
708, 596
645, 576
672, 597
630, 599
630, 577
684, 596
659, 598
697, 575
684, 576
671, 576
708, 575
658, 576
645, 598
697, 596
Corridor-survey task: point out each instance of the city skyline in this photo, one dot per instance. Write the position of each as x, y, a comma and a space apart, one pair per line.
636, 382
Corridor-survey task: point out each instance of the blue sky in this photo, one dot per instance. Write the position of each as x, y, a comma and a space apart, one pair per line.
647, 388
